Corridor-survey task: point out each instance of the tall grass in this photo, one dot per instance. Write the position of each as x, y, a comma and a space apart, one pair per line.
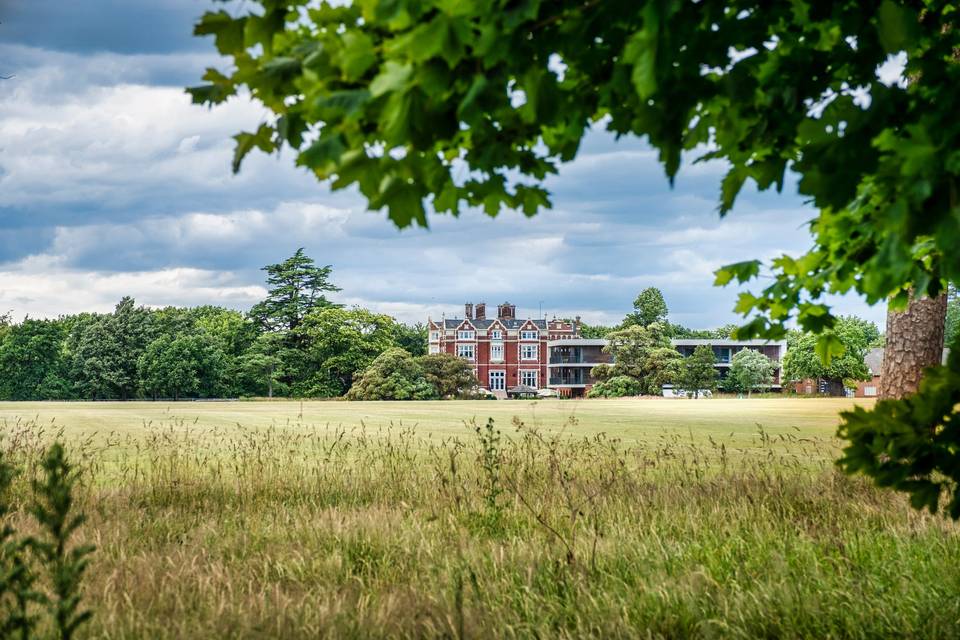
507, 530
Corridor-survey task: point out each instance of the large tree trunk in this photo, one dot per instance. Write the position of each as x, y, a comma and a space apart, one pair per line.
914, 342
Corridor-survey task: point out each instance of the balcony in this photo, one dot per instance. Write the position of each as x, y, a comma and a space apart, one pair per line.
587, 356
576, 377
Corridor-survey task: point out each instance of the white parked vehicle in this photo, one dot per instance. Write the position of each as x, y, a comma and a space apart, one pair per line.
671, 391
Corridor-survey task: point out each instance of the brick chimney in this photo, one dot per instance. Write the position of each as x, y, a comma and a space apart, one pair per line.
481, 311
506, 311
468, 311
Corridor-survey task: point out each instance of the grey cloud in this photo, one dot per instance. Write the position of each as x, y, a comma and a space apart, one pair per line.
111, 183
87, 26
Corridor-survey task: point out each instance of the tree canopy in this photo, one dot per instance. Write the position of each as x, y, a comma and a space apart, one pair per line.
296, 287
451, 376
615, 387
207, 351
342, 343
399, 98
750, 370
699, 373
644, 354
393, 375
444, 105
856, 336
649, 307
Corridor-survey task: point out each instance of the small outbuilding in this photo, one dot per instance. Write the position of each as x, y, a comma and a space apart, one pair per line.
522, 392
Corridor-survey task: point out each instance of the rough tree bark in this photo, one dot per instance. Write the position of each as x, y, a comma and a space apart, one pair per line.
914, 342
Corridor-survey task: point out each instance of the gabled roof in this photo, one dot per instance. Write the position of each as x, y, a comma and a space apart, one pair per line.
509, 323
874, 360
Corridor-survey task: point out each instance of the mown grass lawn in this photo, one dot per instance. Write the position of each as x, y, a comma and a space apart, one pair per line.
630, 419
622, 518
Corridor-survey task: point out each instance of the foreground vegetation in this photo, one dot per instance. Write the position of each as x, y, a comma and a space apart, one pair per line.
539, 525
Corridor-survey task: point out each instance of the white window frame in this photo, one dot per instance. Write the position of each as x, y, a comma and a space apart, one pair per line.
466, 334
434, 336
529, 335
495, 357
501, 376
496, 334
462, 348
536, 352
534, 373
434, 348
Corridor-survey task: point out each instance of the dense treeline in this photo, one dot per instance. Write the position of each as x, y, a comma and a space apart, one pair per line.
297, 343
294, 343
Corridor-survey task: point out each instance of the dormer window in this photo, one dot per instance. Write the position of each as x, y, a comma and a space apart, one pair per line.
434, 336
496, 334
528, 335
466, 334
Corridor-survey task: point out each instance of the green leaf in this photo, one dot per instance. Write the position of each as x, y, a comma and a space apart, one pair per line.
467, 108
741, 271
641, 52
403, 202
227, 31
448, 198
280, 67
323, 155
214, 93
897, 26
260, 29
246, 142
829, 346
730, 188
436, 38
341, 103
291, 128
392, 77
532, 199
745, 303
357, 55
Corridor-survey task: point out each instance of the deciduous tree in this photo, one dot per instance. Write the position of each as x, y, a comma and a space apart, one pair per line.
190, 365
615, 387
343, 342
30, 357
400, 98
750, 370
649, 307
699, 373
644, 354
412, 338
855, 337
393, 375
451, 376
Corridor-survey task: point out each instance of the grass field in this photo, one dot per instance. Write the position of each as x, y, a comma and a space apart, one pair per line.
629, 419
620, 518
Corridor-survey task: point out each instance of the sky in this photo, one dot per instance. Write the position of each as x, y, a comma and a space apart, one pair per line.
113, 184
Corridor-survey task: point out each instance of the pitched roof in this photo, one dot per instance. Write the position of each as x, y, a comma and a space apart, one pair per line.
509, 323
874, 360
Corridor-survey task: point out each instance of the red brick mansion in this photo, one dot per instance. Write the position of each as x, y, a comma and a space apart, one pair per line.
507, 351
512, 354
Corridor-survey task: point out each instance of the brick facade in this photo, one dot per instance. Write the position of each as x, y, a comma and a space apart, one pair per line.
505, 351
508, 352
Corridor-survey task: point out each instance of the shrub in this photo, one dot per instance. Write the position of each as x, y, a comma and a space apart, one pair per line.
451, 376
393, 375
615, 387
